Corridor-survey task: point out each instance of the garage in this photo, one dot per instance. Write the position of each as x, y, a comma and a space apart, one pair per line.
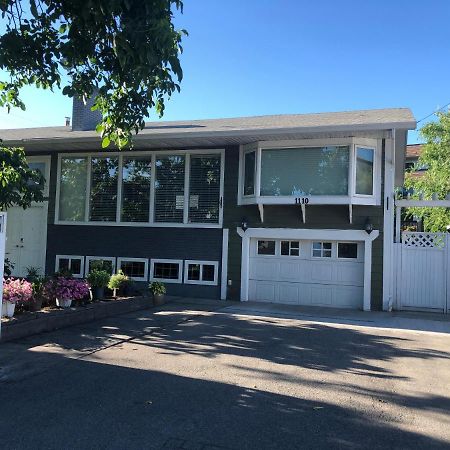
315, 272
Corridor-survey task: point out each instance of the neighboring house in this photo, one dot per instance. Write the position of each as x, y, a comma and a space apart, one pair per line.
413, 152
271, 208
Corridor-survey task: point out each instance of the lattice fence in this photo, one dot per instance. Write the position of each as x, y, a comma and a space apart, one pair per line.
423, 240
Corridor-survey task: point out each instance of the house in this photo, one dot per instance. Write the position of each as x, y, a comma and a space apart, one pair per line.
413, 152
288, 208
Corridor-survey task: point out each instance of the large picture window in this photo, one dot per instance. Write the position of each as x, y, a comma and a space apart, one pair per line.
169, 189
141, 189
136, 179
72, 189
305, 171
103, 200
204, 189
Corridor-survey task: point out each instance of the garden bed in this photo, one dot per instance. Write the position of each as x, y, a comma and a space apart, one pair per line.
49, 319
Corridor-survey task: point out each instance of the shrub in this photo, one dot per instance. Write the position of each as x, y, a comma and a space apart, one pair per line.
98, 278
67, 288
157, 288
16, 290
118, 281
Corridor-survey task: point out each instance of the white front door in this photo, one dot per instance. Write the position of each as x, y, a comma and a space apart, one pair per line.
26, 230
26, 234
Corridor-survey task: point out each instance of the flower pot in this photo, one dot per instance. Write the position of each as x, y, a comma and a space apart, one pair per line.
97, 293
158, 299
64, 302
8, 309
36, 304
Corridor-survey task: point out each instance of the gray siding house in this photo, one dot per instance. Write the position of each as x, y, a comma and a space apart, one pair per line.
287, 209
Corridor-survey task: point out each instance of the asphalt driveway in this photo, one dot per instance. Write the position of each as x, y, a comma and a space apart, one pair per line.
205, 376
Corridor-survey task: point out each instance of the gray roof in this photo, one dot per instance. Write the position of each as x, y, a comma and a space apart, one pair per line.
225, 131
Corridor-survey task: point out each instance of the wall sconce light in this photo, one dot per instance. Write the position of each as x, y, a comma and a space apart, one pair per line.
368, 226
244, 224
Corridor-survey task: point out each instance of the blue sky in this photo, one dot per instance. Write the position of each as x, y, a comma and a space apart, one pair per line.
254, 57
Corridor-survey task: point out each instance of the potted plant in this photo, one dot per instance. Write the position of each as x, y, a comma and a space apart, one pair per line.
15, 291
68, 289
38, 293
98, 280
119, 283
158, 290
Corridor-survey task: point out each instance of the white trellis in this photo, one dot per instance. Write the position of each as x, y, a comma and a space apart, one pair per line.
2, 259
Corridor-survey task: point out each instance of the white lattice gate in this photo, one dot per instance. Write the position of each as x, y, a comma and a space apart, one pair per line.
422, 271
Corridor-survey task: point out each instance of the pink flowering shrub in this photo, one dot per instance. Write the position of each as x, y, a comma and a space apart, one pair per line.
66, 288
16, 290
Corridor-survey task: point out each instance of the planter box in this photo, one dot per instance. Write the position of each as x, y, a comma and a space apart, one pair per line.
49, 320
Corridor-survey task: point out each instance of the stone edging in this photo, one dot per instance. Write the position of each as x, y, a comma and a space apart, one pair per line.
54, 319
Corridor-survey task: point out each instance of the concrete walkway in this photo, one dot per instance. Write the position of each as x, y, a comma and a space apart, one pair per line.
220, 375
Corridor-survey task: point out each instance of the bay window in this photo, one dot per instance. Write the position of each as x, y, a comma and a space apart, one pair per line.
311, 171
146, 188
364, 171
305, 171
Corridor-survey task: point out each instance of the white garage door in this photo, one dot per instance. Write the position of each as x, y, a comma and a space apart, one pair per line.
317, 273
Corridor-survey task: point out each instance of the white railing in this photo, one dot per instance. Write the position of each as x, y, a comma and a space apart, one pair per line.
2, 260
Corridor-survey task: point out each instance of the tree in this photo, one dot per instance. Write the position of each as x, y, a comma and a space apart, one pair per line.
19, 185
128, 50
436, 179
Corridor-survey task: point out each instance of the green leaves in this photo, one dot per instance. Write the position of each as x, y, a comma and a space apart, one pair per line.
20, 186
127, 49
435, 180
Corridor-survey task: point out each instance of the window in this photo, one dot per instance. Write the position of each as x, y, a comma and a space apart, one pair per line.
70, 263
364, 171
266, 247
166, 270
135, 268
204, 188
39, 167
103, 199
321, 249
290, 248
107, 263
169, 189
347, 250
141, 189
136, 180
249, 173
72, 189
201, 272
311, 171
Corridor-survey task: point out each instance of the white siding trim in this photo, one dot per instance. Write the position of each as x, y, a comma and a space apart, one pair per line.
308, 234
224, 277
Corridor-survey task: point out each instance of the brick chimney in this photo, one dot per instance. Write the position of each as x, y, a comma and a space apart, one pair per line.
83, 118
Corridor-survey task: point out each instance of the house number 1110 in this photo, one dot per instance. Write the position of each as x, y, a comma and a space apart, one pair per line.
301, 200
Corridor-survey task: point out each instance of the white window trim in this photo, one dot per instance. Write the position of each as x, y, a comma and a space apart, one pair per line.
121, 259
299, 248
153, 155
47, 160
70, 257
342, 258
268, 255
374, 149
179, 280
99, 258
202, 263
349, 198
322, 250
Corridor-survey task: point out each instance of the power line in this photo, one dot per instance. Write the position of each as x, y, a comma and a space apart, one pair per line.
434, 112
